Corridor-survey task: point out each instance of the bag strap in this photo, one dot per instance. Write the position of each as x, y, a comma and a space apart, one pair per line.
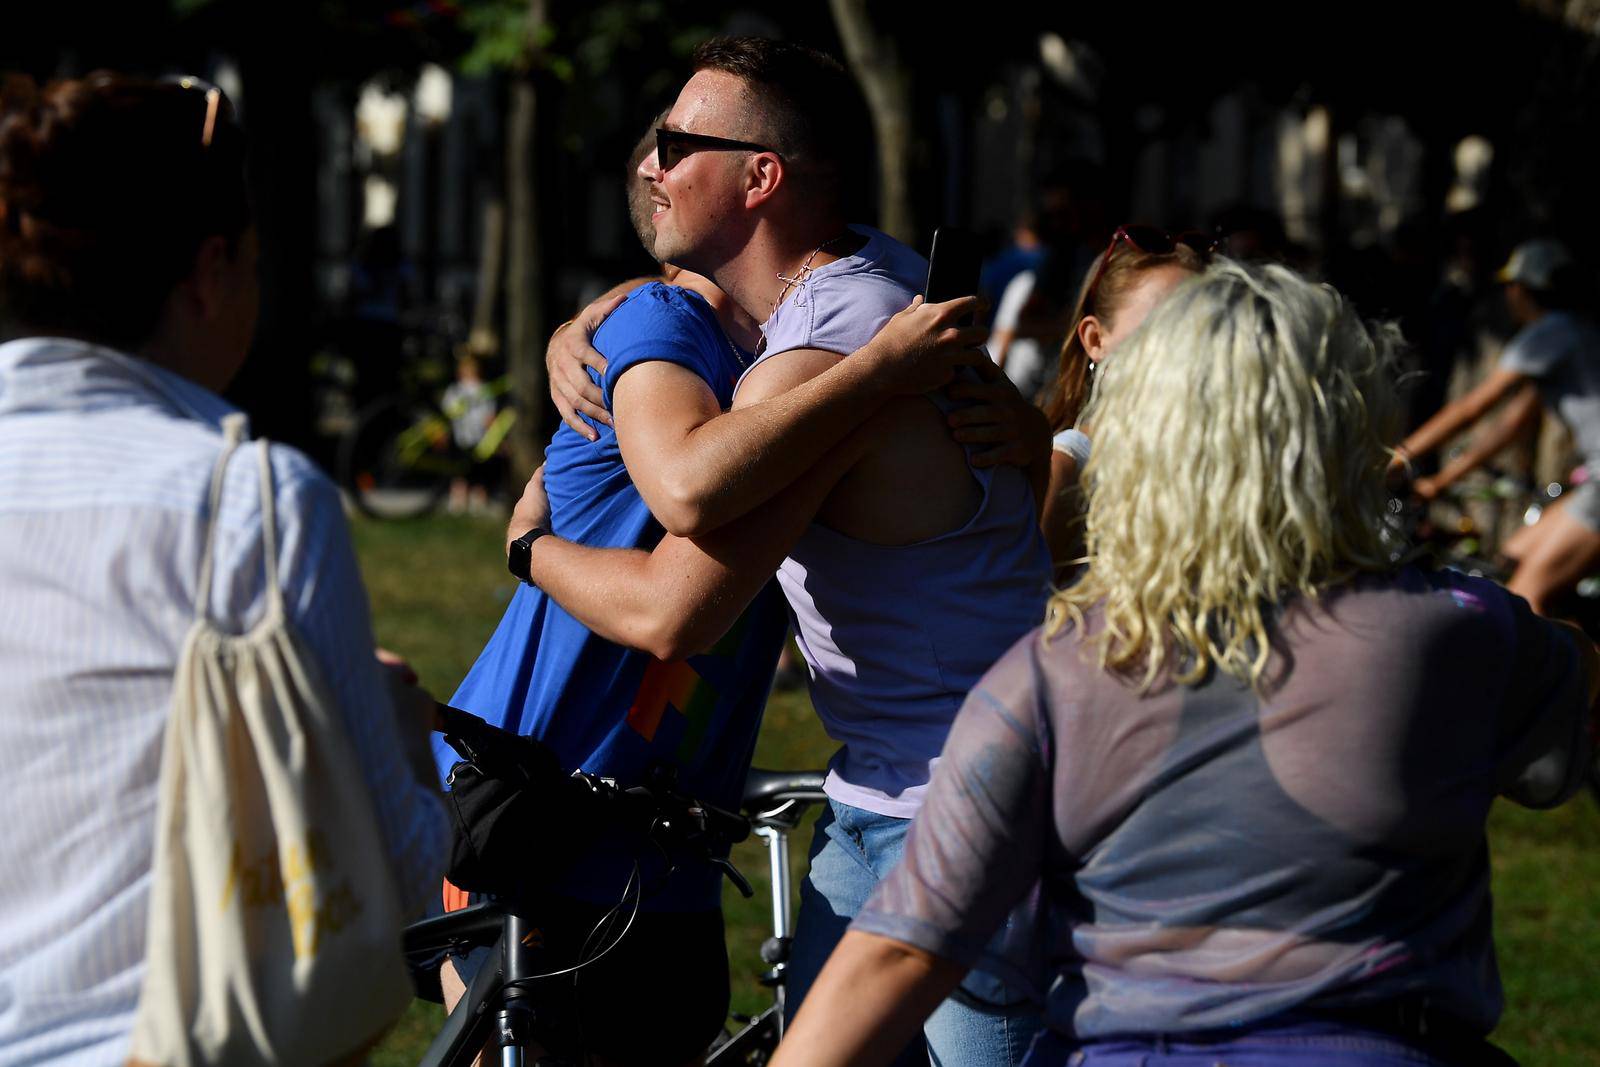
269, 531
233, 433
233, 428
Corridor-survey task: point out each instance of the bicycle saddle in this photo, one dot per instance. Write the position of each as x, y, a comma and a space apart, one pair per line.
765, 789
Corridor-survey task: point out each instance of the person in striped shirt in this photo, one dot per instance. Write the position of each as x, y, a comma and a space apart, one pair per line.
128, 294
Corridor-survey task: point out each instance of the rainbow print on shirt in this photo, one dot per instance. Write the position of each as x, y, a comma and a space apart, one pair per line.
680, 687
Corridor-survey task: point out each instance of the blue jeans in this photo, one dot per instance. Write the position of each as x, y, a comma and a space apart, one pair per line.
851, 852
1310, 1044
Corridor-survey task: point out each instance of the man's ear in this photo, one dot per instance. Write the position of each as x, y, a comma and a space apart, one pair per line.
765, 174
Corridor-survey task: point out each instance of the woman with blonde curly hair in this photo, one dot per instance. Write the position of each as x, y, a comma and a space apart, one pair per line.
1247, 759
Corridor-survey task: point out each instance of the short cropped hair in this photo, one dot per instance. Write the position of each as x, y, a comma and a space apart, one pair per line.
806, 103
108, 187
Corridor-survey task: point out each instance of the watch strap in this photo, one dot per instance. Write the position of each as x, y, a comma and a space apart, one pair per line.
519, 555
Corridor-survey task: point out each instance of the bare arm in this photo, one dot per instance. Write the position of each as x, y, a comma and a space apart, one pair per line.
1522, 412
869, 1001
1455, 417
1062, 521
680, 598
698, 468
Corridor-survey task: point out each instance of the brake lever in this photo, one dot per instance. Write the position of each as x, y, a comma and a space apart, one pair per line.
739, 881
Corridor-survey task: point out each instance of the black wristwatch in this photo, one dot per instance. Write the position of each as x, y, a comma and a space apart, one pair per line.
517, 557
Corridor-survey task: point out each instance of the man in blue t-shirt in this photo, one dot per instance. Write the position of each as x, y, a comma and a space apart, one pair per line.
618, 712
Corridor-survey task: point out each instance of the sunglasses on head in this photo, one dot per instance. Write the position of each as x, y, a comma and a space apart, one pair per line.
673, 145
1155, 242
217, 104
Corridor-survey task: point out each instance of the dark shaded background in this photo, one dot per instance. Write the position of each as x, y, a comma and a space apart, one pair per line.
993, 124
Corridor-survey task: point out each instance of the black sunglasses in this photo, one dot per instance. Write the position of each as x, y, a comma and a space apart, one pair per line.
693, 142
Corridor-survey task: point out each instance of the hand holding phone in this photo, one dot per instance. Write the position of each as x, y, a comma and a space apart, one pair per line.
953, 267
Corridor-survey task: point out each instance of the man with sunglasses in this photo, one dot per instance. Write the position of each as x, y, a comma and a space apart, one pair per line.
925, 561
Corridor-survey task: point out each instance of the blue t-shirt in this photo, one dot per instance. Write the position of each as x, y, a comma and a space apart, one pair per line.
612, 710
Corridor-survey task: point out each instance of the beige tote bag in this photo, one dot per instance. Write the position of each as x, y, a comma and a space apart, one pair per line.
274, 927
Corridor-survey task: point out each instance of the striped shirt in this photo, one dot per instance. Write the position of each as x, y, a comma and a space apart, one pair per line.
104, 468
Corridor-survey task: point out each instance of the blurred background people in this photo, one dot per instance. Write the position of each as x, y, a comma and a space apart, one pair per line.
470, 405
1553, 358
1032, 307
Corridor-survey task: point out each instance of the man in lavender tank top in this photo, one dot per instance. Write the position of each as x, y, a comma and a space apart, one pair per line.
921, 567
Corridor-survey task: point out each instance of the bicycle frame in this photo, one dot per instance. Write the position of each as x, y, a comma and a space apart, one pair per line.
466, 1030
761, 1034
497, 1008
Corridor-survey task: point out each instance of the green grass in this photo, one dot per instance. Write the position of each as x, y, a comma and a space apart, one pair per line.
1547, 930
439, 587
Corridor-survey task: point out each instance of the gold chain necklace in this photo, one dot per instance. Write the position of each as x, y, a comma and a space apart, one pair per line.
805, 269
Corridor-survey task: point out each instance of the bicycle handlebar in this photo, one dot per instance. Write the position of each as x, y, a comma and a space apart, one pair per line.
657, 807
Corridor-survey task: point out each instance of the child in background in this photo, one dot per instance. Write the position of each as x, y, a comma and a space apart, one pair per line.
470, 406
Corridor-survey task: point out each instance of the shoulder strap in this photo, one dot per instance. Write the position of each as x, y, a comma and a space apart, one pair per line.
269, 530
233, 433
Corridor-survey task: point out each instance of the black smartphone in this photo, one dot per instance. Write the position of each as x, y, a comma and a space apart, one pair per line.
953, 266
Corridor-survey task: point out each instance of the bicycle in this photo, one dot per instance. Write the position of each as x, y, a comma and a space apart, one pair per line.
399, 456
499, 1000
775, 802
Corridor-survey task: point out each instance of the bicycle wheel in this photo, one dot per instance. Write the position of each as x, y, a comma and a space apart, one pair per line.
399, 459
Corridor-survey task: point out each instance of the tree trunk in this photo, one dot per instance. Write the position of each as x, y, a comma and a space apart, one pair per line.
886, 83
525, 315
484, 339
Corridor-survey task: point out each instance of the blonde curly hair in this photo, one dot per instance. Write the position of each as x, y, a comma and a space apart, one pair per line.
1240, 445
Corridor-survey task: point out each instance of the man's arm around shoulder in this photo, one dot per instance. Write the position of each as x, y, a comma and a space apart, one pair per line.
698, 467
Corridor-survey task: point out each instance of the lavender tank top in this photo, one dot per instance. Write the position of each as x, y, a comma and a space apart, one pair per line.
895, 635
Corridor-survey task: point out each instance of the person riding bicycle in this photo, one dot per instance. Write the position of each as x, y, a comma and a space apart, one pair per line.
129, 296
1554, 357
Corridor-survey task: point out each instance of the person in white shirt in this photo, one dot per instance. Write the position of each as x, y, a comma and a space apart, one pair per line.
128, 296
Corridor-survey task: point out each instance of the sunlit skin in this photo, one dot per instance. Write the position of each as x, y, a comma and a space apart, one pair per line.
696, 221
1100, 337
